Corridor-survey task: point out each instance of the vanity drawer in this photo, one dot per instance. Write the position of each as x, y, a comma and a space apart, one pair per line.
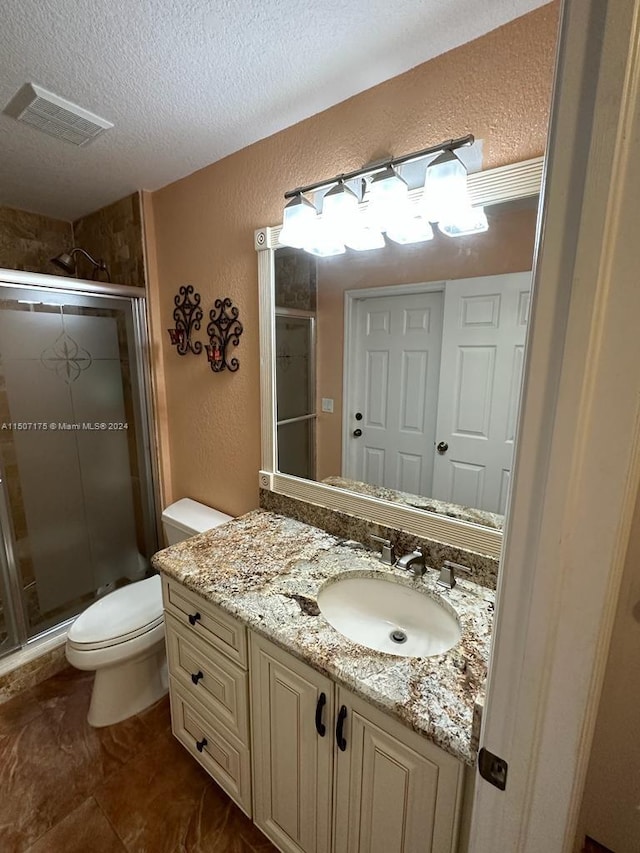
208, 676
220, 753
206, 621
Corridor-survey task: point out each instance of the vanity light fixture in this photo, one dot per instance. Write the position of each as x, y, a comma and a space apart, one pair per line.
446, 198
299, 220
388, 198
340, 206
324, 240
387, 205
410, 229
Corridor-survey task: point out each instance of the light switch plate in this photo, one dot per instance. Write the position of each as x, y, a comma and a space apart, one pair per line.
327, 404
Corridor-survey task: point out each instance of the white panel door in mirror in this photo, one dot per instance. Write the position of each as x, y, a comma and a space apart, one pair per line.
395, 388
481, 370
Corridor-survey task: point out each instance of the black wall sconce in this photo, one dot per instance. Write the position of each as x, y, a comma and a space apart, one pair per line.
187, 315
224, 329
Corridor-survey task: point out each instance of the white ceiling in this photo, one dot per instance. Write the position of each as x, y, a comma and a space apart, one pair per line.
187, 82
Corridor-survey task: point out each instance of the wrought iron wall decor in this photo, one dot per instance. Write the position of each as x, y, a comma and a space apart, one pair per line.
187, 315
224, 329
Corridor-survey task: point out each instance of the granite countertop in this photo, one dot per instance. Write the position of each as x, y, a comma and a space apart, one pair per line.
266, 569
451, 510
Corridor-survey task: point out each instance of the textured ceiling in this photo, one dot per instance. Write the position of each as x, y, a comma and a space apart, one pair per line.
187, 82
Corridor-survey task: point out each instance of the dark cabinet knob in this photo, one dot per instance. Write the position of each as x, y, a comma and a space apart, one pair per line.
194, 617
442, 447
200, 744
358, 416
357, 433
196, 676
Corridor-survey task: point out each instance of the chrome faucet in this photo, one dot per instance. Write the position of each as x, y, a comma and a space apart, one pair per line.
413, 562
447, 573
386, 555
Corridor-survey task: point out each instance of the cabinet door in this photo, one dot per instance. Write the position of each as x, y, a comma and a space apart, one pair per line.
395, 792
292, 763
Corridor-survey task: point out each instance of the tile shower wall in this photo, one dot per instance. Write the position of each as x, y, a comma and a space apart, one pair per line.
114, 234
28, 241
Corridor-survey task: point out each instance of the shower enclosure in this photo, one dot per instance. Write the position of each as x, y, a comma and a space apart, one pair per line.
77, 513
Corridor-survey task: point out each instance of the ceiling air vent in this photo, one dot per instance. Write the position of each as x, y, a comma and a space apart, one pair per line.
56, 116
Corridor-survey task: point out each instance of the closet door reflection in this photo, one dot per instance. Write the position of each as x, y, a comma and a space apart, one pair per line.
295, 389
71, 450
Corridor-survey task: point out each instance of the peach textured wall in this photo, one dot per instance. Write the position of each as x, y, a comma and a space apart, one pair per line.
497, 87
506, 247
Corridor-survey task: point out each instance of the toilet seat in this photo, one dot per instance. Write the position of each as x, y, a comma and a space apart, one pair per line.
119, 617
115, 641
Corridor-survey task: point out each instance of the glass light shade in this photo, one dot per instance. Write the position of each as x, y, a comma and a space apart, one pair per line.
363, 239
323, 240
412, 229
388, 197
445, 190
340, 207
470, 220
298, 221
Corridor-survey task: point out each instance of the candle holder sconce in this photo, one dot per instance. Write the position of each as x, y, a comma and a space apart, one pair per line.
223, 330
187, 316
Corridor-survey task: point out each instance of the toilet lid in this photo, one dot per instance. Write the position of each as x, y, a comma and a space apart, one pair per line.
121, 615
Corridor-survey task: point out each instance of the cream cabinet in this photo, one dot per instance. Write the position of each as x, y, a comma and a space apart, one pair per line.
395, 792
319, 769
333, 773
292, 713
209, 688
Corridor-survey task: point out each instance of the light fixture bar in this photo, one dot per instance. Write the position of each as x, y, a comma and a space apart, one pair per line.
450, 145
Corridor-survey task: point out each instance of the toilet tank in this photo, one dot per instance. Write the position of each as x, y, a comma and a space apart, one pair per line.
185, 518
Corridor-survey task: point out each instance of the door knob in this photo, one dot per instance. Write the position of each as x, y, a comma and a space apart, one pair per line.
442, 447
358, 416
357, 433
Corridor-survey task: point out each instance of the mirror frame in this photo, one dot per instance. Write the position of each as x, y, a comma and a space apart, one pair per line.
492, 186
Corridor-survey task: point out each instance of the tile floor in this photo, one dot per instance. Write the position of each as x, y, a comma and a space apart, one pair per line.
128, 788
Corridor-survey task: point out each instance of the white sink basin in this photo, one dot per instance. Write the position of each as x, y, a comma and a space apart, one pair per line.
387, 616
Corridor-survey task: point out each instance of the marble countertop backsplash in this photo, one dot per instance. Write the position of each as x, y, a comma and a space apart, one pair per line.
266, 569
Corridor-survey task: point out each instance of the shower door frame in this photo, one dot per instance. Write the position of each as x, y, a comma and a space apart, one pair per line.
10, 586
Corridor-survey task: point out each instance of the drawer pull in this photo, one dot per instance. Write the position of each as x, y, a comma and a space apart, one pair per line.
196, 676
320, 726
194, 617
200, 744
342, 744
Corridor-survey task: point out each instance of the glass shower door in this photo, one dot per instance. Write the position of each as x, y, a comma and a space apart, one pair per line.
73, 450
295, 393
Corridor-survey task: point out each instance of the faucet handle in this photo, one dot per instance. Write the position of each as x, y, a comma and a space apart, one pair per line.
386, 554
447, 573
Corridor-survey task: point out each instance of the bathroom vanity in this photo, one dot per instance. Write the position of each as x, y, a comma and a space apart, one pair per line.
327, 744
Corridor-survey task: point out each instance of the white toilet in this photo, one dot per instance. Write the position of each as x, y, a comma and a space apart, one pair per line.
121, 636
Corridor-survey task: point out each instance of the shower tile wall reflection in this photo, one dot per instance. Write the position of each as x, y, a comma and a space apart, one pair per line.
70, 490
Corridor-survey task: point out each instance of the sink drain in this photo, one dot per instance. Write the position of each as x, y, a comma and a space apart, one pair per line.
398, 636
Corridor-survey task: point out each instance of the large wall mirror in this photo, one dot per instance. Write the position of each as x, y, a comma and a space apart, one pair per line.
391, 377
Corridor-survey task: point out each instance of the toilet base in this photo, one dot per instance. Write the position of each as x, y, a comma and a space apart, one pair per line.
127, 688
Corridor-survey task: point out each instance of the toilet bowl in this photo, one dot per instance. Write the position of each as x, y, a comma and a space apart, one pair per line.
121, 636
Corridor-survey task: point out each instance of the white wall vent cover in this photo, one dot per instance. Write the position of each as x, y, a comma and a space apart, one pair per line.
56, 116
